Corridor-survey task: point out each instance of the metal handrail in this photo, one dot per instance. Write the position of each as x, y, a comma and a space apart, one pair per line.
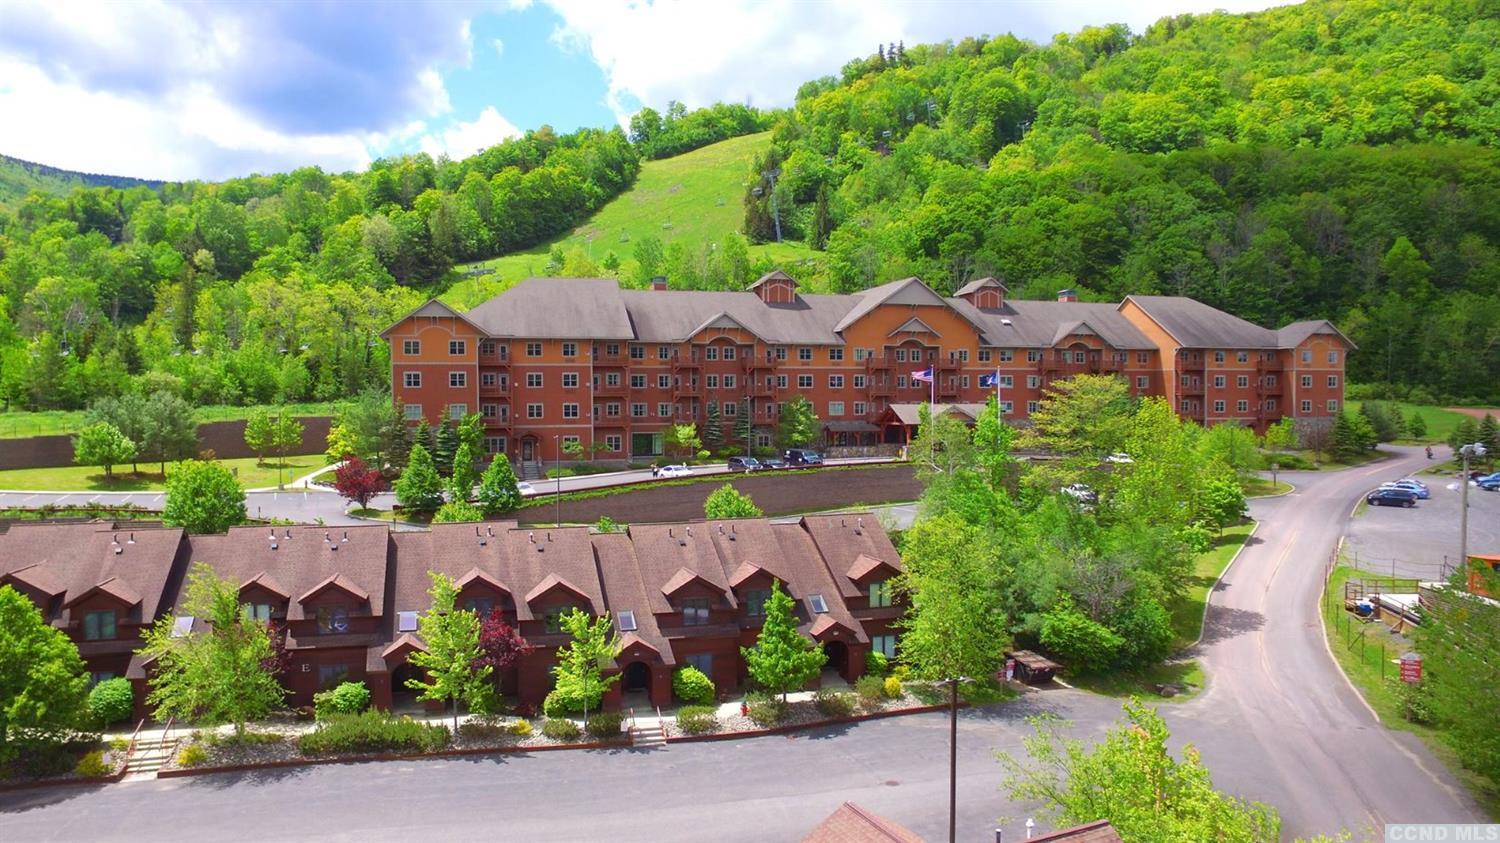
165, 731
130, 750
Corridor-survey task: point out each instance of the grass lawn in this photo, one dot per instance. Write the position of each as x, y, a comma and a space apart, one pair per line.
1142, 683
18, 424
80, 478
1364, 652
389, 515
694, 198
1260, 487
1440, 422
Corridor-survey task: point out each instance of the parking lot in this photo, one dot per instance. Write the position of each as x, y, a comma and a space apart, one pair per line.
1420, 541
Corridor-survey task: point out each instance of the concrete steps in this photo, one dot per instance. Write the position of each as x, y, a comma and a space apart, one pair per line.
532, 471
648, 736
149, 757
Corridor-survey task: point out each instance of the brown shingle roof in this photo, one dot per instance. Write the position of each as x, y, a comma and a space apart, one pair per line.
669, 552
267, 582
304, 562
70, 560
841, 539
114, 587
853, 824
622, 579
1098, 831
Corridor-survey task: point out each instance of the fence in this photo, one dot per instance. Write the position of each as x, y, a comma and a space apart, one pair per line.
1367, 640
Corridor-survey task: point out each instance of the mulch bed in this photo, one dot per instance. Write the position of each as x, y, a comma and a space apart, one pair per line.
115, 761
802, 714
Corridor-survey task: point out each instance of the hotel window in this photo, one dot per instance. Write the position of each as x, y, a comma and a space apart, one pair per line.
1333, 381
662, 382
664, 410
411, 412
880, 594
1033, 381
457, 347
533, 411
411, 347
1242, 406
781, 381
731, 409
1218, 357
780, 352
612, 349
664, 352
639, 382
804, 381
900, 355
1185, 406
637, 352
729, 352
713, 381
411, 380
901, 381
570, 411
755, 602
533, 349
1007, 407
1007, 381
1333, 357
1307, 381
489, 411
1218, 406
534, 380
859, 381
694, 611
612, 409
570, 349
963, 355
1142, 381
711, 353
1242, 356
1033, 356
457, 411
885, 644
1218, 381
729, 381
488, 379
333, 620
860, 408
613, 442
638, 411
612, 379
1270, 404
804, 353
570, 380
1242, 381
984, 355
964, 381
487, 347
1306, 406
835, 355
1031, 407
99, 626
1333, 405
1143, 357
1306, 356
1006, 355
835, 408
494, 444
835, 381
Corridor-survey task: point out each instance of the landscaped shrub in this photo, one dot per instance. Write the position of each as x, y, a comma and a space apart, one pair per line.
891, 687
520, 727
876, 663
111, 701
692, 686
92, 765
833, 703
1413, 699
605, 724
1289, 462
766, 711
1199, 538
560, 729
372, 731
192, 755
482, 729
347, 698
871, 690
246, 738
565, 701
697, 719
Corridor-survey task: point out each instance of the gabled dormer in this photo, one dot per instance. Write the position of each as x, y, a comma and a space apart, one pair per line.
983, 293
480, 592
694, 596
333, 602
98, 611
38, 585
775, 287
263, 598
873, 577
752, 587
554, 597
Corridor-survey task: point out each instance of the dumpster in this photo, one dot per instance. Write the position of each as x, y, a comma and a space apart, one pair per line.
1033, 668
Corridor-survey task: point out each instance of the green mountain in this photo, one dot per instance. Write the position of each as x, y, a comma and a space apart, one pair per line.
18, 177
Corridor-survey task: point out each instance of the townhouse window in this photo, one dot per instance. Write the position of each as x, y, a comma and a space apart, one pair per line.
1333, 405
333, 620
332, 675
480, 606
1242, 381
1031, 407
487, 347
1006, 355
458, 379
638, 411
1333, 357
1242, 356
984, 355
1242, 406
1218, 357
552, 618
711, 353
1007, 407
664, 352
860, 408
701, 661
859, 381
533, 411
1333, 381
1143, 357
1307, 381
411, 380
494, 444
489, 411
731, 409
612, 409
804, 353
637, 352
411, 347
1142, 381
99, 626
100, 676
411, 412
662, 382
664, 410
1306, 356
900, 355
729, 381
1007, 381
835, 408
781, 381
780, 352
457, 411
694, 611
835, 355
713, 381
639, 382
804, 381
835, 381
883, 644
457, 348
533, 349
880, 594
613, 442
570, 411
1306, 406
1033, 381
1218, 406
730, 352
570, 349
756, 600
1218, 381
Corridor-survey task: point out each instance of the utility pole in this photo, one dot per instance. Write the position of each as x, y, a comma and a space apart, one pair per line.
557, 469
1472, 450
775, 212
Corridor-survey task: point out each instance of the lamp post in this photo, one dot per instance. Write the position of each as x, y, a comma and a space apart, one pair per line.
953, 758
1467, 452
750, 423
557, 469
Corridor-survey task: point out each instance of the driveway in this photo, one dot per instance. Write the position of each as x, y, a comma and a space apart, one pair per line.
1278, 723
1422, 542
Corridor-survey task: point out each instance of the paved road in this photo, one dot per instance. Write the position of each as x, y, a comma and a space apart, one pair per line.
1278, 723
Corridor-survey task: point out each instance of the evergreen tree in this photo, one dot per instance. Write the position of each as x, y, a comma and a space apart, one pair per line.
744, 424
1416, 426
401, 442
1488, 434
452, 663
497, 488
1382, 420
782, 660
444, 447
713, 428
420, 489
1464, 433
43, 685
461, 485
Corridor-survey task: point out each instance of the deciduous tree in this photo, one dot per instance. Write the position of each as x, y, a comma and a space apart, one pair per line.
43, 685
728, 502
1458, 640
594, 643
798, 426
259, 433
452, 661
102, 444
782, 659
357, 482
203, 497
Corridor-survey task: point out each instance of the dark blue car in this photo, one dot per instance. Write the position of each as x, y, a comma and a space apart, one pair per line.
1391, 497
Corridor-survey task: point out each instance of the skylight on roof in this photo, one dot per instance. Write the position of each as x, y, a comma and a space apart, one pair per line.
819, 605
627, 621
406, 621
181, 626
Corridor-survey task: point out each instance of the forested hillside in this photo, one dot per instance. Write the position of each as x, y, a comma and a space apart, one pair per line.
18, 178
1331, 159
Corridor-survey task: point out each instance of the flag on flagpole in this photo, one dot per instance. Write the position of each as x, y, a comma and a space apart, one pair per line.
986, 381
922, 375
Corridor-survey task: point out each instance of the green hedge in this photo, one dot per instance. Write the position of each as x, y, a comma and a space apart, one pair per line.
697, 719
560, 730
692, 686
372, 731
112, 701
347, 698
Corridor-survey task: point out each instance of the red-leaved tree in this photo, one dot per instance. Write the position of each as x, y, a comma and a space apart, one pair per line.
279, 660
356, 482
500, 644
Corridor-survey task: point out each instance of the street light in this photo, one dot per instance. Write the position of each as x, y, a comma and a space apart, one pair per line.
1467, 452
749, 425
557, 469
953, 758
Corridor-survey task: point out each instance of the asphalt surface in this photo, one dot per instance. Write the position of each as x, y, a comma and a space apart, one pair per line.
1422, 542
1278, 723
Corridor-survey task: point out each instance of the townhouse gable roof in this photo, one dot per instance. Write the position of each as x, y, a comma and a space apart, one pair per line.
301, 561
620, 570
37, 579
74, 561
468, 553
671, 556
811, 575
546, 560
1196, 325
853, 824
843, 539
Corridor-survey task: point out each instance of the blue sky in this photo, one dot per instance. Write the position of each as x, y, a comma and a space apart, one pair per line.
183, 90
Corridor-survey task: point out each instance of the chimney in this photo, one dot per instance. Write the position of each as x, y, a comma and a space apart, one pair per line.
659, 282
1068, 294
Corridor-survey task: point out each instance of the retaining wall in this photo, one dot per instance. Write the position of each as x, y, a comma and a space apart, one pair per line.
225, 438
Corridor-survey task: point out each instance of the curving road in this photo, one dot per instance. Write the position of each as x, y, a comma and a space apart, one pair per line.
1278, 723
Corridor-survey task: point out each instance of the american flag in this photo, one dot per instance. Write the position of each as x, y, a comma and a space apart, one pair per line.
922, 375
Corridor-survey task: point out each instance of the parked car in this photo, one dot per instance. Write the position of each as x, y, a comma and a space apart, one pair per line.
772, 463
1489, 482
1081, 493
744, 464
1411, 486
1119, 457
678, 470
1385, 496
801, 457
525, 488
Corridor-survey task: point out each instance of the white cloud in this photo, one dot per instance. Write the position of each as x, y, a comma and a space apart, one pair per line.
760, 51
499, 46
460, 140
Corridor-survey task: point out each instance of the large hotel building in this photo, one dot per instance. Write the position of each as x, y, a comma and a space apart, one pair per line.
557, 360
